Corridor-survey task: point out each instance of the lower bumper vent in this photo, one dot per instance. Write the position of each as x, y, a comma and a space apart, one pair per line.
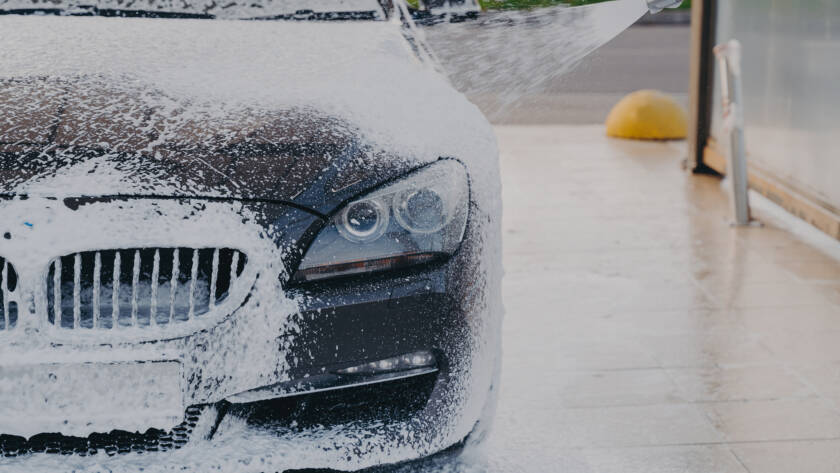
142, 288
112, 443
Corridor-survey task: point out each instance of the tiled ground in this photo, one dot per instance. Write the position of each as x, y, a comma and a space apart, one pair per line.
644, 334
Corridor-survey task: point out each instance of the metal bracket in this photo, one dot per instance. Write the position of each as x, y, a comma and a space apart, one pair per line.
657, 6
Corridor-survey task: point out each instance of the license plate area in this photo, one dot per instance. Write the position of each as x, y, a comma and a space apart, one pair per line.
77, 399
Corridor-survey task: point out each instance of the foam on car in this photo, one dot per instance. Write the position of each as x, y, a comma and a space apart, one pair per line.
196, 71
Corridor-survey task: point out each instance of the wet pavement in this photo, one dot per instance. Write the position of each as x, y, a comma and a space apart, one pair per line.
642, 332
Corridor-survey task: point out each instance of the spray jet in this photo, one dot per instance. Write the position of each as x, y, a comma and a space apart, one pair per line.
510, 54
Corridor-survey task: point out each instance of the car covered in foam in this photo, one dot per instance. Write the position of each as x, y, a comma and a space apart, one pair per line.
210, 222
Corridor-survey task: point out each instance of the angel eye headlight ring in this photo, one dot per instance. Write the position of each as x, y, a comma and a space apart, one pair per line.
364, 221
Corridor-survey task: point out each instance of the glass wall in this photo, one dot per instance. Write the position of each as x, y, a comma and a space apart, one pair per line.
791, 63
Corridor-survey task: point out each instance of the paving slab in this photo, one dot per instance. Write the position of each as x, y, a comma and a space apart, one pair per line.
642, 332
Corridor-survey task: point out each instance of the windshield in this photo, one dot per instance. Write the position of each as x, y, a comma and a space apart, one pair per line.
210, 9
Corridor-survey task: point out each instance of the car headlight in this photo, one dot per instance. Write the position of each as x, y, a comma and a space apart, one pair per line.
416, 219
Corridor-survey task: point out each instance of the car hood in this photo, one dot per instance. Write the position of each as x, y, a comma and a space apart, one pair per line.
309, 114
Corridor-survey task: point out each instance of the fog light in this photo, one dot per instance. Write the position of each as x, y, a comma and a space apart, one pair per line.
407, 362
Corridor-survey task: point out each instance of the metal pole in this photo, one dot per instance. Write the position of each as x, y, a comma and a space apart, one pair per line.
729, 57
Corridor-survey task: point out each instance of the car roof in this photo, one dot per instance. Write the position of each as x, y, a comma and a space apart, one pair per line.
234, 9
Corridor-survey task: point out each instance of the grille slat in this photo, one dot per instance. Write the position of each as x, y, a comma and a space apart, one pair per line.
97, 283
4, 293
214, 276
8, 285
154, 288
77, 289
57, 291
173, 285
192, 280
135, 286
234, 265
115, 293
8, 289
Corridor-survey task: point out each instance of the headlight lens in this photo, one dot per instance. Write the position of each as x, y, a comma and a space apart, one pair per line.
416, 219
421, 210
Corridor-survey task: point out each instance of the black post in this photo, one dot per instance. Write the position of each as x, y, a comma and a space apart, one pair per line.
703, 26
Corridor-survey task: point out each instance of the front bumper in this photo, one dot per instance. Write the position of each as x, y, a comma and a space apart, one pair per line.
285, 337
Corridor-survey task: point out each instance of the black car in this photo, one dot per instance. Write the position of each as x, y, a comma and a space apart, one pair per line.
212, 226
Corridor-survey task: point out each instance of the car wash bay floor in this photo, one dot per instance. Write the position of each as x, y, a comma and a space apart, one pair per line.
643, 333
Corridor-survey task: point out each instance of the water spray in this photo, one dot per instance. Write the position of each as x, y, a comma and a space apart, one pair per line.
501, 56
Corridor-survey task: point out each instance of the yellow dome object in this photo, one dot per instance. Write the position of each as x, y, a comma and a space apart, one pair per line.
648, 115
